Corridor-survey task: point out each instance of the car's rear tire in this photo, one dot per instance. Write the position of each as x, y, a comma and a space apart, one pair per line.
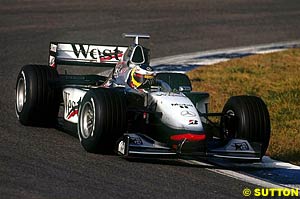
247, 117
102, 120
37, 98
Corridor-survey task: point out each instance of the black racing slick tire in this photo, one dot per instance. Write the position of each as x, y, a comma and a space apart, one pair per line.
102, 120
37, 98
247, 117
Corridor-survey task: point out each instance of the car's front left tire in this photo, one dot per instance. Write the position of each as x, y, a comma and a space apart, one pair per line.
101, 120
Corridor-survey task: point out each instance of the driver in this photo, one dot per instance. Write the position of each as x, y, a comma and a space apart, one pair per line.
132, 76
133, 71
141, 77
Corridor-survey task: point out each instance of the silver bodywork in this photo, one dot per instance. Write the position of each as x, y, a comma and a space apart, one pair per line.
178, 112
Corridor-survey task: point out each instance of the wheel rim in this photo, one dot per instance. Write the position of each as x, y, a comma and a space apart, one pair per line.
87, 119
21, 93
229, 125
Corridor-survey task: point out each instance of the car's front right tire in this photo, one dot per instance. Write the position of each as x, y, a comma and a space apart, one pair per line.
247, 117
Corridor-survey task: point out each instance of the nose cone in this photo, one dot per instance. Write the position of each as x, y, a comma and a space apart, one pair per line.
178, 112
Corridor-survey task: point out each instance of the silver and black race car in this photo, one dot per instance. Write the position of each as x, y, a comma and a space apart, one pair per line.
133, 110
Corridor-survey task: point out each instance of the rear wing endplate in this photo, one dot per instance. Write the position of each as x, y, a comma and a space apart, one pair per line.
84, 54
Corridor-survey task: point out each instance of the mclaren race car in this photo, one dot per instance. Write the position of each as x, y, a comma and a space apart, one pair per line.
122, 105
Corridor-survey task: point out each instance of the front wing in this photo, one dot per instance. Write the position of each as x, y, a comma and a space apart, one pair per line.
140, 145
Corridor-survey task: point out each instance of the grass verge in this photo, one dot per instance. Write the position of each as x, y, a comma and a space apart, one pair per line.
275, 77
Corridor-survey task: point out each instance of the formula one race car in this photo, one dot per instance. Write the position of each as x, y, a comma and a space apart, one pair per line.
134, 110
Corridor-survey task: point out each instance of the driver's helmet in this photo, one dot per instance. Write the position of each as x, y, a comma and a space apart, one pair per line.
140, 75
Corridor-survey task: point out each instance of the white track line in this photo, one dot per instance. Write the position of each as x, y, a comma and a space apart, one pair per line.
235, 175
216, 56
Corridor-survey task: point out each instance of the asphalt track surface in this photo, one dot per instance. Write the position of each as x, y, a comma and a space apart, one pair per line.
48, 163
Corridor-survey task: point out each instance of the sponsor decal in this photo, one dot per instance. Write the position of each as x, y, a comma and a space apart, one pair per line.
193, 122
136, 141
73, 112
96, 53
187, 114
242, 146
71, 107
182, 105
168, 94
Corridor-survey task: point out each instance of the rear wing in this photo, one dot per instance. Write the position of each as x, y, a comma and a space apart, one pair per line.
84, 54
